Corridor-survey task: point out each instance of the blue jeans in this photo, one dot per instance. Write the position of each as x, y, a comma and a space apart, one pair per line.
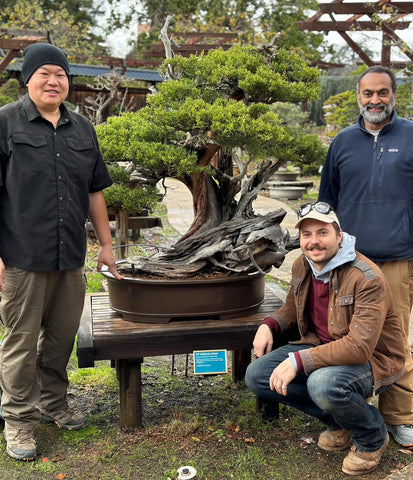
334, 395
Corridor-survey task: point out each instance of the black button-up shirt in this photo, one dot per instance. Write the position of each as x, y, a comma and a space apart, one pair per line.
46, 175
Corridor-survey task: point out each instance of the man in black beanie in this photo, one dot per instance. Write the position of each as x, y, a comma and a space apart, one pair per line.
52, 177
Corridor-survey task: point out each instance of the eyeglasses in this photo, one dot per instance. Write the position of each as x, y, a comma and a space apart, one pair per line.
320, 207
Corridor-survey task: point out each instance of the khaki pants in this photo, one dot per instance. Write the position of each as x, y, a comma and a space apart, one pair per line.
41, 312
396, 403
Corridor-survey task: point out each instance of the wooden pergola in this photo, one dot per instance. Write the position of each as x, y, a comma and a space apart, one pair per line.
192, 43
13, 40
385, 16
189, 43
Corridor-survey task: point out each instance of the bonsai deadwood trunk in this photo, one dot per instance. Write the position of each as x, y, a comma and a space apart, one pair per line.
206, 202
238, 246
225, 235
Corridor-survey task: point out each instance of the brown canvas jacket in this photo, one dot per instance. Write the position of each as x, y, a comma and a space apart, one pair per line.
361, 319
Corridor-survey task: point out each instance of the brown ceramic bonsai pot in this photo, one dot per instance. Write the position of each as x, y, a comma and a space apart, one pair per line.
160, 301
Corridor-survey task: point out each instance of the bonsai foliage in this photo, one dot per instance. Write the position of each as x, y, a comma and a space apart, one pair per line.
212, 112
9, 92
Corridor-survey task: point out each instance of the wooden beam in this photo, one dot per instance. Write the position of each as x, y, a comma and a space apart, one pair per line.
20, 32
356, 48
7, 59
344, 26
386, 50
401, 44
364, 8
228, 36
184, 50
17, 43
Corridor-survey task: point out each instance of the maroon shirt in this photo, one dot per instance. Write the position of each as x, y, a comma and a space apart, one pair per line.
317, 311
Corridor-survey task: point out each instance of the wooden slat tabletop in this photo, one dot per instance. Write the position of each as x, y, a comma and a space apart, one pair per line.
112, 337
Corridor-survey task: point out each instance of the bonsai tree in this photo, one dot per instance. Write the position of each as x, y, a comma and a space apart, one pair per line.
213, 112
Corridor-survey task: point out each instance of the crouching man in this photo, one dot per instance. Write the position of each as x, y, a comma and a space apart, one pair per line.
351, 342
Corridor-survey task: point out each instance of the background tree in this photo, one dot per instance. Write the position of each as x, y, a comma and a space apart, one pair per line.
85, 12
109, 96
254, 21
9, 91
66, 28
211, 107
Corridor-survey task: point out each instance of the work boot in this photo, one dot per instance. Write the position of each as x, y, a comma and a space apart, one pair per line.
66, 419
359, 463
20, 442
334, 440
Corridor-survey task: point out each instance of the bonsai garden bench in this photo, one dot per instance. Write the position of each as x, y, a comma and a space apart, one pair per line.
104, 335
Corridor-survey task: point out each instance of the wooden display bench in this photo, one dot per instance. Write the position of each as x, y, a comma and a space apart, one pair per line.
105, 335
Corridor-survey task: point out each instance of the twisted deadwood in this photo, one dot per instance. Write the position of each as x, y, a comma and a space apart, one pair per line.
238, 246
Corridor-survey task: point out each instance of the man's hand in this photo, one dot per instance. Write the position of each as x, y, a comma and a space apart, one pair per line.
106, 257
263, 340
2, 274
282, 376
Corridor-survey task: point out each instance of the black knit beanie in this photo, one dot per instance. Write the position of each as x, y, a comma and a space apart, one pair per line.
38, 54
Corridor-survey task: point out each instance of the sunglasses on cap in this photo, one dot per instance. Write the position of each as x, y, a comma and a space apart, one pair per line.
320, 207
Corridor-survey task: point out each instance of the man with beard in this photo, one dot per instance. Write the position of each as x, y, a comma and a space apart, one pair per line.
368, 179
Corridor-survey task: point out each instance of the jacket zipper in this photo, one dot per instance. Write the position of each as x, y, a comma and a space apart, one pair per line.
376, 167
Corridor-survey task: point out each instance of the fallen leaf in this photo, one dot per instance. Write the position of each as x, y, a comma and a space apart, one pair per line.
249, 440
400, 465
307, 440
60, 476
195, 439
59, 458
45, 459
234, 428
405, 451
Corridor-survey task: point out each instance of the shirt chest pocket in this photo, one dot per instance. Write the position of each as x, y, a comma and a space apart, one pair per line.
81, 156
344, 312
28, 152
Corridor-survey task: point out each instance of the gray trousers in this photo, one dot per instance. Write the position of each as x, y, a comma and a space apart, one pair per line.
41, 312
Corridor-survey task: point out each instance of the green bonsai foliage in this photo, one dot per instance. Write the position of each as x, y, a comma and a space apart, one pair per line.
124, 195
211, 107
9, 92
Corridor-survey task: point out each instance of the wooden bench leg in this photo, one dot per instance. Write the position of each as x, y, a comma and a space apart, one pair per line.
240, 361
269, 410
130, 392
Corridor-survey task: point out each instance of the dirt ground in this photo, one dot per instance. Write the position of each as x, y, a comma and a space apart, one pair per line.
207, 422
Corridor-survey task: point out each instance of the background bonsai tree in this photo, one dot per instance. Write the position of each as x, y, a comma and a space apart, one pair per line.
213, 113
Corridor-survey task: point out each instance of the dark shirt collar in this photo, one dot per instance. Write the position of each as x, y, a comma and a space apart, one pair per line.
32, 112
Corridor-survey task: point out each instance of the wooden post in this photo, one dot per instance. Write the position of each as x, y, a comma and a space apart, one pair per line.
121, 235
240, 361
269, 410
130, 392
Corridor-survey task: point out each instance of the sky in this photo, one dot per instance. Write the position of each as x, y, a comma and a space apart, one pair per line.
118, 41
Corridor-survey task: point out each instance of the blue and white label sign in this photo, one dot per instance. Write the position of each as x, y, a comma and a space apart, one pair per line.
208, 362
